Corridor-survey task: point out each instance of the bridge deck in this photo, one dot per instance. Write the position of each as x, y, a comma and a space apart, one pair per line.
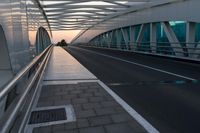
67, 82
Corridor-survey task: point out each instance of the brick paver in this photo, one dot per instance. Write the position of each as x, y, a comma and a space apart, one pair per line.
96, 111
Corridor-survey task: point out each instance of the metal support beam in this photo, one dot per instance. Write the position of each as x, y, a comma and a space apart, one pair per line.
111, 38
132, 37
153, 43
101, 39
141, 34
190, 38
44, 14
118, 38
125, 37
129, 10
175, 44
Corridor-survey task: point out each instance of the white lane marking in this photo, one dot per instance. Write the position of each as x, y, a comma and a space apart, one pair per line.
141, 65
144, 123
61, 82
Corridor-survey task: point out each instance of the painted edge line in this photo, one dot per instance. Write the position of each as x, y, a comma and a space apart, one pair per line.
144, 123
57, 82
69, 79
145, 53
141, 65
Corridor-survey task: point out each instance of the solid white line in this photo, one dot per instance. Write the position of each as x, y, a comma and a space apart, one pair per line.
141, 65
67, 82
144, 123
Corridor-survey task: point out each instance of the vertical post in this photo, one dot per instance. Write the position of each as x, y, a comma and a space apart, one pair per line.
125, 37
118, 38
190, 38
101, 39
111, 38
153, 37
132, 37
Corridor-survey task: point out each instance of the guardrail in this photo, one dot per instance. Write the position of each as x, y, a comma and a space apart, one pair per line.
34, 70
180, 50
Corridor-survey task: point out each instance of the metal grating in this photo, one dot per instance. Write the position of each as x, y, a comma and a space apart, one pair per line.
50, 115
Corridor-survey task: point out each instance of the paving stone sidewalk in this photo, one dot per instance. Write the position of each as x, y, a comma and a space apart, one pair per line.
96, 111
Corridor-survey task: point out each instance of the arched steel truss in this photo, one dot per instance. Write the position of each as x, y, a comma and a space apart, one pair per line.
146, 38
87, 14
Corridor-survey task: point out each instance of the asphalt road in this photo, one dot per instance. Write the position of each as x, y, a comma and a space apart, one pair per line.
162, 90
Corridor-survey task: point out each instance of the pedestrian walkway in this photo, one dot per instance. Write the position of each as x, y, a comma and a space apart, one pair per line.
67, 84
62, 66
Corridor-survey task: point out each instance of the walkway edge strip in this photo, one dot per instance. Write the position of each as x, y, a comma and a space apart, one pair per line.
141, 65
144, 123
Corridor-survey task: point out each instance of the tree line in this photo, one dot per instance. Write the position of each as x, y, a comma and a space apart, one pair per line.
62, 43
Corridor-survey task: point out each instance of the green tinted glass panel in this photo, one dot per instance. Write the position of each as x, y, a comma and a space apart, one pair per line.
114, 39
127, 30
145, 45
137, 30
163, 45
179, 28
197, 33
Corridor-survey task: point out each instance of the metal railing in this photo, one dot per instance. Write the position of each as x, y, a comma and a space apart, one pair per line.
38, 64
181, 50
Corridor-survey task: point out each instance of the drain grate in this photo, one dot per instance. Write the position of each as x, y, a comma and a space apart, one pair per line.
50, 115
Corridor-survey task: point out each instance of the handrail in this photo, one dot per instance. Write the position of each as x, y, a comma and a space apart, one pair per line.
186, 48
12, 116
24, 71
186, 52
143, 44
147, 42
21, 128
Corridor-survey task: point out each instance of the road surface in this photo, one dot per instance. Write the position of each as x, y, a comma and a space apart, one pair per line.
164, 91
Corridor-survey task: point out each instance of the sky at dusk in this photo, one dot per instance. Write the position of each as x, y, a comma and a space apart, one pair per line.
67, 35
57, 36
